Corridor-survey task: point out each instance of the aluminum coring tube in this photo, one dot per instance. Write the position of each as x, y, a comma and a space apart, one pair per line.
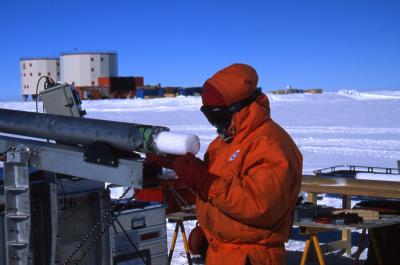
72, 130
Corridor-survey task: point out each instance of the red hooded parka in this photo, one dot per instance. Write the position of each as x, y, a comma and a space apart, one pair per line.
249, 212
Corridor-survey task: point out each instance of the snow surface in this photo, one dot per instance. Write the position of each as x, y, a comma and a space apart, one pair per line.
345, 127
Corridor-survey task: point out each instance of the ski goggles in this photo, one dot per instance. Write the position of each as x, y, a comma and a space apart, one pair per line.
217, 115
221, 116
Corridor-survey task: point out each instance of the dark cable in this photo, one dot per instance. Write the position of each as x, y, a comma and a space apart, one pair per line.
110, 213
47, 84
37, 92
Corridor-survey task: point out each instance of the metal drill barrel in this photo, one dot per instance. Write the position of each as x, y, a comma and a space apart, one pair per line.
120, 135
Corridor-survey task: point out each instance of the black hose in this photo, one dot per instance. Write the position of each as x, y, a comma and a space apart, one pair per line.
37, 92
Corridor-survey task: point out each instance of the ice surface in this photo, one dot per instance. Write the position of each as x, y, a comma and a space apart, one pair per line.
346, 127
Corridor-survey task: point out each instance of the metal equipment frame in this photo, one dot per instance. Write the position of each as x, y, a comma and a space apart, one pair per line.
20, 155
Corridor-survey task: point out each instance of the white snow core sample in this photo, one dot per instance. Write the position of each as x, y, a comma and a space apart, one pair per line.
176, 143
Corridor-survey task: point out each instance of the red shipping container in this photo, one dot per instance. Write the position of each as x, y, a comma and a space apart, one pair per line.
139, 81
104, 81
80, 92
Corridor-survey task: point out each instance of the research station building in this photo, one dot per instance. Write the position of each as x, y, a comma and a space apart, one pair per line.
82, 69
31, 69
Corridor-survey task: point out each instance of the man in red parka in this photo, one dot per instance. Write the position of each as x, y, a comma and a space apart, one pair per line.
249, 181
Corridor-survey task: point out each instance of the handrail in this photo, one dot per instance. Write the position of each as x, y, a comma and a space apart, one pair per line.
351, 169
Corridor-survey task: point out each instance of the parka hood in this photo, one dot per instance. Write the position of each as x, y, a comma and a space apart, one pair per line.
250, 118
235, 83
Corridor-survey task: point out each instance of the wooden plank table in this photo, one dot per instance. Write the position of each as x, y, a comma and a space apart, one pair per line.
351, 187
346, 187
311, 229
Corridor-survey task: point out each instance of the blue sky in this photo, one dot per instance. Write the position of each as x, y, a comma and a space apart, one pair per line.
332, 44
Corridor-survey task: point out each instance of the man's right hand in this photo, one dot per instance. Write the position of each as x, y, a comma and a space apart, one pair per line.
191, 171
162, 161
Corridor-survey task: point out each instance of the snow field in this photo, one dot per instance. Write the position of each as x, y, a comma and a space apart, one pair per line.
345, 127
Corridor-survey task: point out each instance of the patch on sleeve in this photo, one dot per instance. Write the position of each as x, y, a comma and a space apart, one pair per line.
234, 155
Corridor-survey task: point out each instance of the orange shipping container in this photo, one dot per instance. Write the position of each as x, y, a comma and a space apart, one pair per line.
104, 81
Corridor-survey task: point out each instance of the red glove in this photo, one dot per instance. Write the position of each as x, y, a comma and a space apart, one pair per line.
197, 242
191, 171
162, 161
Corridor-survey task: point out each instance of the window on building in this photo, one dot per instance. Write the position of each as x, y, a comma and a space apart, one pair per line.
27, 86
30, 65
92, 69
58, 73
39, 74
24, 86
48, 74
91, 59
92, 83
58, 64
23, 66
101, 59
24, 74
30, 74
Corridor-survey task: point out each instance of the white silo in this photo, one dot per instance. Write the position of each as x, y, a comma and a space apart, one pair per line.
83, 68
31, 69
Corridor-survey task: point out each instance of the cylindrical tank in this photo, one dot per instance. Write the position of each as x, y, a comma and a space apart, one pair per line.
83, 68
31, 69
